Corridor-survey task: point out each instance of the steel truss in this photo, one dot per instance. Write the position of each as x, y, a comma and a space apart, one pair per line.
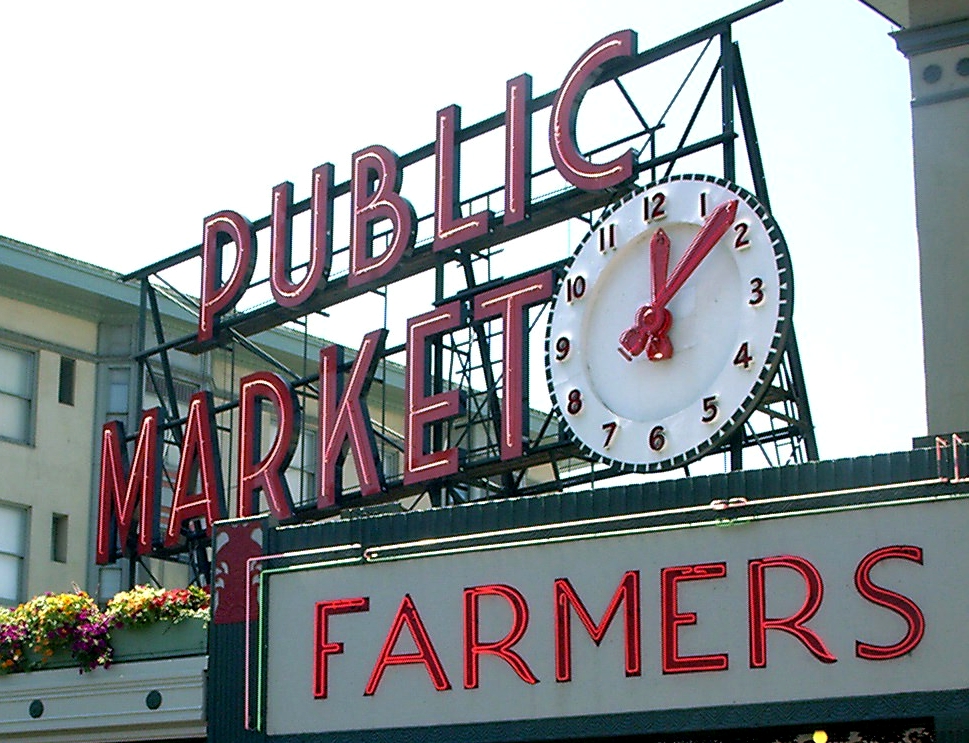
780, 431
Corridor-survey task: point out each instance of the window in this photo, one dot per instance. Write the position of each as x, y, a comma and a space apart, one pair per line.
117, 393
65, 386
301, 473
13, 550
58, 537
16, 394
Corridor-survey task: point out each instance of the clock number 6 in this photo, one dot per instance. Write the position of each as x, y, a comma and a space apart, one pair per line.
574, 406
657, 438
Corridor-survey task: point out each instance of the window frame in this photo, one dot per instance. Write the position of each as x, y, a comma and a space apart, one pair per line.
31, 399
22, 572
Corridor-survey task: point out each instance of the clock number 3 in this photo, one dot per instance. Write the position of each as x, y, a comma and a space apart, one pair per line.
756, 291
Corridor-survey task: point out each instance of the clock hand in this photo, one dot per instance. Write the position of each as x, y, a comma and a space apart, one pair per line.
634, 340
649, 333
715, 227
659, 259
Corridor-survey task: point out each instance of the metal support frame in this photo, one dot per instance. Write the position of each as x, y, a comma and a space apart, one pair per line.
780, 429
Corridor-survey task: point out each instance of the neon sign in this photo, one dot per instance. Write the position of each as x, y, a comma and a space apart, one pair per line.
345, 425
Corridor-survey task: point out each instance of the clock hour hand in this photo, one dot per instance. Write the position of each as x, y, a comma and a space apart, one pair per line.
637, 339
653, 321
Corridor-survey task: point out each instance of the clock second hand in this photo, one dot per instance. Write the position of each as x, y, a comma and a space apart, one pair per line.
649, 333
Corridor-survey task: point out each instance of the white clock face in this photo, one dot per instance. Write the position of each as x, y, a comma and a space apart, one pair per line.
669, 324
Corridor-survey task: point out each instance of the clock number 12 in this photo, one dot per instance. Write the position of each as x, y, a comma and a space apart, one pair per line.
653, 207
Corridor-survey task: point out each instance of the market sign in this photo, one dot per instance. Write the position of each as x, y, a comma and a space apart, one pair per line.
130, 485
848, 602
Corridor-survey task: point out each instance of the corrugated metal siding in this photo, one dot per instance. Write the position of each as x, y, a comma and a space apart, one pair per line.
492, 515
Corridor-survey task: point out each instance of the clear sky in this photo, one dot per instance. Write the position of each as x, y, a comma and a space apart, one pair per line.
125, 124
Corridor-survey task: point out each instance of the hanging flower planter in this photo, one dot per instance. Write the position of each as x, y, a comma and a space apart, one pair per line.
163, 639
155, 623
54, 631
68, 629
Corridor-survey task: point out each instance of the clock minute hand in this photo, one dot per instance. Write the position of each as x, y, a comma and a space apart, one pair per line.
650, 332
715, 227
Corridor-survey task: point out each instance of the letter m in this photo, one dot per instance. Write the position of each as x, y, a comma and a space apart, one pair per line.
122, 488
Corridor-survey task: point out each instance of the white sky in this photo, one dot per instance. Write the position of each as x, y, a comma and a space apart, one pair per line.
125, 124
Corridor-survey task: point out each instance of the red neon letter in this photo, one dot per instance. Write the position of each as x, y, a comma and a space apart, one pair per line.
374, 196
565, 150
566, 599
348, 421
673, 619
407, 616
423, 409
265, 474
518, 149
122, 487
200, 454
322, 645
285, 292
217, 298
510, 301
794, 624
473, 647
901, 605
451, 230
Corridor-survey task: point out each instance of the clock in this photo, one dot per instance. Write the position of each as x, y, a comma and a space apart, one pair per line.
669, 323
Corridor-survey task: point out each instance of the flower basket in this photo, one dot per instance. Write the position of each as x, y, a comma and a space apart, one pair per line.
57, 631
163, 639
155, 623
68, 629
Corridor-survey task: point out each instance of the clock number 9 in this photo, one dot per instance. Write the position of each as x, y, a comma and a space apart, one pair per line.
657, 438
574, 406
562, 348
575, 288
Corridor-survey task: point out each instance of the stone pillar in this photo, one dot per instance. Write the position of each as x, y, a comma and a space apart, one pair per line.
938, 54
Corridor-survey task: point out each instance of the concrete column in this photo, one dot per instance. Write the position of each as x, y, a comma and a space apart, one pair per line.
938, 54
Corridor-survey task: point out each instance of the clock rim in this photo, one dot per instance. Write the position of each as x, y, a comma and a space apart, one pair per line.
767, 369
